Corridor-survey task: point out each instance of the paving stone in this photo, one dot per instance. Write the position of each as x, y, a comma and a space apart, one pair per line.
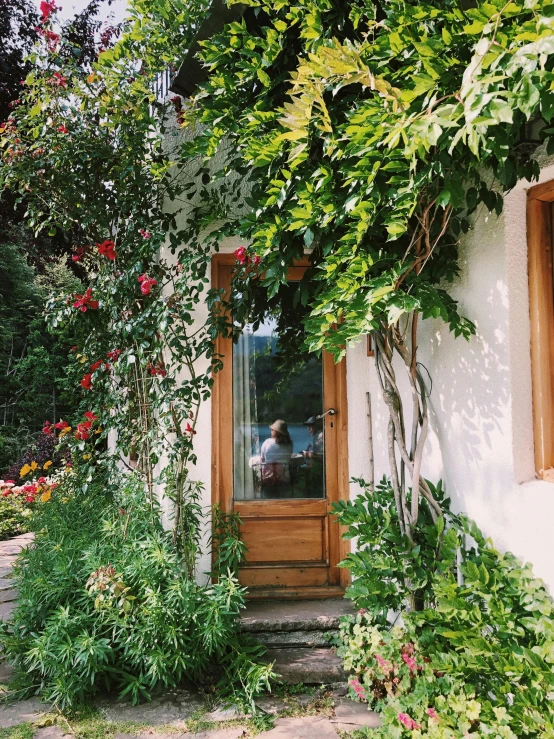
6, 610
173, 708
8, 596
21, 712
151, 735
6, 583
52, 732
306, 615
230, 732
271, 704
310, 666
224, 714
350, 715
6, 673
308, 727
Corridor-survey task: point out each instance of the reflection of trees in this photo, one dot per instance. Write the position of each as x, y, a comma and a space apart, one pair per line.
293, 394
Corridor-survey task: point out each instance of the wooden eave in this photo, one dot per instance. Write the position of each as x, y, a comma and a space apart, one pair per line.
192, 72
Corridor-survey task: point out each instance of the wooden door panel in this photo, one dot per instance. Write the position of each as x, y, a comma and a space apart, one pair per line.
284, 577
285, 539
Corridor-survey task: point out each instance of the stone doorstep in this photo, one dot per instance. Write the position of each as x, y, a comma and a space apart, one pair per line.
297, 615
293, 638
305, 665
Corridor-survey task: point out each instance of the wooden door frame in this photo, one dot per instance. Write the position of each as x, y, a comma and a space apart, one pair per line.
336, 456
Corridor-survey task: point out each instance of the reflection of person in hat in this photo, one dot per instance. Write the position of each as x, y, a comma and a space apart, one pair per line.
279, 447
315, 428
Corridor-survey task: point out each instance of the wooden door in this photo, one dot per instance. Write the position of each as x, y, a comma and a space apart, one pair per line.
281, 475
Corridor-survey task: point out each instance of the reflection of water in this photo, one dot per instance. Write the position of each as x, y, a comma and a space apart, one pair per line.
299, 434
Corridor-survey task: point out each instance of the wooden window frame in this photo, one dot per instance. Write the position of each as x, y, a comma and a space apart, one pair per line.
540, 206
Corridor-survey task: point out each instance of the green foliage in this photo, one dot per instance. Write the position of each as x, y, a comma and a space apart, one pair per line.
33, 361
106, 602
370, 133
387, 569
485, 633
14, 518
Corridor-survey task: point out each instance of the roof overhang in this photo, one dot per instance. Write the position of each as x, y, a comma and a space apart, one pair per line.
192, 72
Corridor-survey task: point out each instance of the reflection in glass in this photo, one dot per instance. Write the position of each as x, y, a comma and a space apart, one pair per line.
278, 439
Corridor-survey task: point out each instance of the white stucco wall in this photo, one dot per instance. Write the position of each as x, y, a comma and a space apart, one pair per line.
481, 442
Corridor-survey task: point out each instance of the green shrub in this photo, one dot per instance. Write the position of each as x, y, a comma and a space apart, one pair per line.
385, 561
486, 635
106, 602
14, 518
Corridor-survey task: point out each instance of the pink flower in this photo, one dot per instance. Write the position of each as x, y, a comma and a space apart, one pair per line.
58, 79
408, 722
410, 661
257, 260
241, 256
47, 9
432, 713
146, 284
357, 688
107, 249
79, 254
145, 234
384, 664
47, 428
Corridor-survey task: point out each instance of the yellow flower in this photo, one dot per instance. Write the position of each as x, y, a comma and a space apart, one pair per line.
34, 465
64, 431
45, 497
87, 456
24, 470
47, 464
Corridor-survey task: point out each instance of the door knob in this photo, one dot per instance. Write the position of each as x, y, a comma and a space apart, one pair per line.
330, 412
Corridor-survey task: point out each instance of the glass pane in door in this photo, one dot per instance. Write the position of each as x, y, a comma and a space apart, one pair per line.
278, 435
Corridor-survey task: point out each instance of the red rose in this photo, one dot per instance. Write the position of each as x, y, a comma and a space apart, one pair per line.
62, 129
114, 355
107, 249
86, 382
146, 284
96, 365
85, 301
242, 255
79, 254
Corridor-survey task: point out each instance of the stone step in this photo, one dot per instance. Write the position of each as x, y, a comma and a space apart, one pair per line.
294, 638
304, 665
294, 616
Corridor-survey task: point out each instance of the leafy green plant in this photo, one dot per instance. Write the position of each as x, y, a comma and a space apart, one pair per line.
482, 639
14, 518
389, 571
106, 602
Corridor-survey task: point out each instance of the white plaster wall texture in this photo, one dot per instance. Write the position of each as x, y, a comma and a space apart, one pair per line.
481, 440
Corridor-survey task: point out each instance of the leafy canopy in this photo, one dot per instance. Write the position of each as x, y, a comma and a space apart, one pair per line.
369, 133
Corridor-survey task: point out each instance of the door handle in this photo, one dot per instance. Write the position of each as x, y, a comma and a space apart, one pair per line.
330, 412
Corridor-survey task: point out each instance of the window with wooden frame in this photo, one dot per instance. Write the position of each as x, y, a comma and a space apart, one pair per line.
540, 205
